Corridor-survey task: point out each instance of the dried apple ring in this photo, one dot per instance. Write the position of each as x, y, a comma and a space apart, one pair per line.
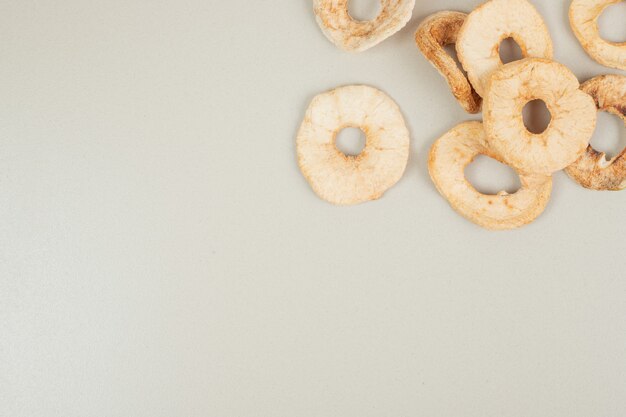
449, 157
343, 179
593, 170
573, 113
354, 35
478, 46
583, 17
435, 32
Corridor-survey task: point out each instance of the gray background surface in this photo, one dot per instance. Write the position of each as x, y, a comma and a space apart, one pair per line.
162, 255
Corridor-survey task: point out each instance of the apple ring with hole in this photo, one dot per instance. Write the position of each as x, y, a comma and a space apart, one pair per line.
449, 157
583, 17
354, 35
344, 179
592, 170
478, 45
435, 32
573, 115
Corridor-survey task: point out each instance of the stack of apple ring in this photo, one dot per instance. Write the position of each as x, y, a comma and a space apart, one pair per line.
500, 90
505, 89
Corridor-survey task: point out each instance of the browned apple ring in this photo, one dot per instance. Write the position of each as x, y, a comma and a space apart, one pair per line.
593, 170
435, 32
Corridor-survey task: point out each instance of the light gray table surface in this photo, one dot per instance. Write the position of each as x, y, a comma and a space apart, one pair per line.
162, 255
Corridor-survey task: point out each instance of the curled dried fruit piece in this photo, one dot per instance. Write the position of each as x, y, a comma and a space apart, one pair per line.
449, 157
432, 35
592, 170
573, 115
341, 179
583, 16
478, 45
353, 35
